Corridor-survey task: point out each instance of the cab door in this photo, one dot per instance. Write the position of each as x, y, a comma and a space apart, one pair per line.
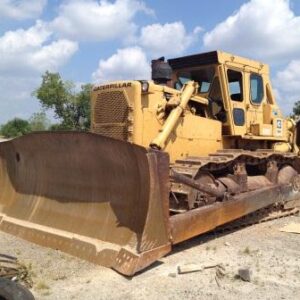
255, 106
236, 100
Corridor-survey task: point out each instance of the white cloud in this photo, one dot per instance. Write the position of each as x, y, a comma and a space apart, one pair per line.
167, 39
127, 63
268, 30
98, 20
21, 9
25, 55
287, 83
51, 57
289, 78
26, 51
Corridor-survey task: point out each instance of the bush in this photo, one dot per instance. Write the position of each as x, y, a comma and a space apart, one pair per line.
15, 127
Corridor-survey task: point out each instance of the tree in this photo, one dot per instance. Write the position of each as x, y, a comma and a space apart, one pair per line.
15, 127
296, 109
39, 122
71, 107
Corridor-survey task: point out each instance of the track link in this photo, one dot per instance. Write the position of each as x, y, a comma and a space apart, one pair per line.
260, 216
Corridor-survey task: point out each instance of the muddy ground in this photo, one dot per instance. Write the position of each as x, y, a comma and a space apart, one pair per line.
272, 256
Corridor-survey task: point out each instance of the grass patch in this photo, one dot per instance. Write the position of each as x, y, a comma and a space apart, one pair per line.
247, 251
42, 285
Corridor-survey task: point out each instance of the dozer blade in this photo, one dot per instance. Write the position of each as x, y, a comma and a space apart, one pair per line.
97, 198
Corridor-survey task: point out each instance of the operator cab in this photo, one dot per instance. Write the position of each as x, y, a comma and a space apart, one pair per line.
203, 69
238, 90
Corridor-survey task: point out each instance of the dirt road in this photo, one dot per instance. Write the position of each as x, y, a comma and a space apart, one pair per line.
272, 256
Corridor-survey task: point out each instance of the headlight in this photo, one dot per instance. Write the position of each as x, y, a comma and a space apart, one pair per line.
145, 86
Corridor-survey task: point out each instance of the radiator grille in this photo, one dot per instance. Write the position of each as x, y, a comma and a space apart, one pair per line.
112, 130
111, 112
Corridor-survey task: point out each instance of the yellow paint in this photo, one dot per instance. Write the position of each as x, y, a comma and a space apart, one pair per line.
159, 115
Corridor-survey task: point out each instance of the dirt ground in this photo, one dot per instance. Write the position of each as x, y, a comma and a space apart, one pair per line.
272, 256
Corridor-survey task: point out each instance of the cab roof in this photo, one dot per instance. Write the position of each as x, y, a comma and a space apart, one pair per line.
217, 57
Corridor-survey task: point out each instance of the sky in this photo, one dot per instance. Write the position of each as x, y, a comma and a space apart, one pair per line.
98, 41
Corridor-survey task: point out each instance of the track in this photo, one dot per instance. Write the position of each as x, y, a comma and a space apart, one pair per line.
263, 215
229, 172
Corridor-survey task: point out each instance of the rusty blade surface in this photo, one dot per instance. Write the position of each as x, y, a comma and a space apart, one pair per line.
94, 197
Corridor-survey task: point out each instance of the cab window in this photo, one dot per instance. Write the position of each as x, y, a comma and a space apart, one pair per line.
235, 83
203, 76
257, 90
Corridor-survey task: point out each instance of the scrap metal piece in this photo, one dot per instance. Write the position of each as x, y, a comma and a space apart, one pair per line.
190, 268
12, 269
292, 228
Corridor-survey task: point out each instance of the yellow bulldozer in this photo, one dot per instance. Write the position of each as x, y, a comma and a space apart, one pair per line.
200, 145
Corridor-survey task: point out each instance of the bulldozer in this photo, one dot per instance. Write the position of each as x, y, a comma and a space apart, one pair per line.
201, 145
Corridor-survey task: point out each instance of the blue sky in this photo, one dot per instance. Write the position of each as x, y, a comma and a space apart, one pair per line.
98, 41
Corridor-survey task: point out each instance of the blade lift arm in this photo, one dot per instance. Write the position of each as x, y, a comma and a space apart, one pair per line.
188, 91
